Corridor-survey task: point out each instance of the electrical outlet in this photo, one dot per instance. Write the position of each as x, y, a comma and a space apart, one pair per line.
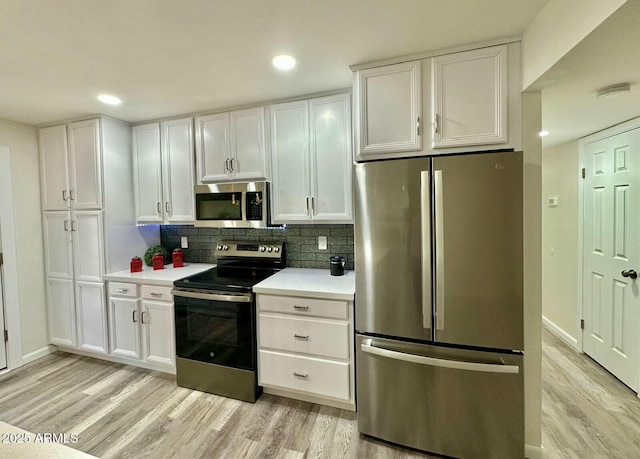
322, 242
184, 242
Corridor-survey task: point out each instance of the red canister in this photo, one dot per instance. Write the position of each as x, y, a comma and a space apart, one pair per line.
178, 258
157, 261
136, 265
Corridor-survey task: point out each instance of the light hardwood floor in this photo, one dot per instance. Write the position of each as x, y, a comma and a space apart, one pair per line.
122, 411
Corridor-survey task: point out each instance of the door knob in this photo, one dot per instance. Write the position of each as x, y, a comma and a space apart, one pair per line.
630, 273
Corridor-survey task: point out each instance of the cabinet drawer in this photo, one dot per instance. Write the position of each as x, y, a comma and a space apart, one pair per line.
123, 289
153, 292
307, 374
310, 336
331, 309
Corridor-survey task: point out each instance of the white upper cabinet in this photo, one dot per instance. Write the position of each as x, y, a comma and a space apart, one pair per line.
231, 146
147, 173
70, 165
290, 162
389, 109
85, 165
330, 141
248, 158
470, 98
178, 170
164, 172
311, 160
212, 148
54, 168
88, 249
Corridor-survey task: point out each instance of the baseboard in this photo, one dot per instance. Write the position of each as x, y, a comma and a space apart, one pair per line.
534, 452
35, 355
560, 333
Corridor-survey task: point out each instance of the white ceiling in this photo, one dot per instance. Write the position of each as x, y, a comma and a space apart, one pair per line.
609, 55
168, 57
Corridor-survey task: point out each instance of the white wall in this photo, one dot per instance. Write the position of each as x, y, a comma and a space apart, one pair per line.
531, 122
560, 178
22, 142
557, 28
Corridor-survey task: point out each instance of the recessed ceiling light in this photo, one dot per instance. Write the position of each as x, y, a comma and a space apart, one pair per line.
111, 100
543, 133
283, 62
613, 90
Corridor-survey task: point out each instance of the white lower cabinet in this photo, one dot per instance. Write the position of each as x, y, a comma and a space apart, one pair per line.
141, 322
60, 307
306, 349
91, 316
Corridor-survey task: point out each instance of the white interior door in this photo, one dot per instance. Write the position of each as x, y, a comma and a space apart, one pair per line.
3, 344
611, 295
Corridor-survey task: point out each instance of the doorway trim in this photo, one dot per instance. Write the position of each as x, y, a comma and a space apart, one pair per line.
12, 296
582, 143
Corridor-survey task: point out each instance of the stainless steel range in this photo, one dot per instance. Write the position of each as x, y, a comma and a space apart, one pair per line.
216, 320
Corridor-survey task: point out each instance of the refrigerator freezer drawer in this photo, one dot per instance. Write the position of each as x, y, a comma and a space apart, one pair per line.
448, 401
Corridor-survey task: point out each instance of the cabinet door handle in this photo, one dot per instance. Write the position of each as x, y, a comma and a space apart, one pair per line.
74, 225
231, 162
436, 123
300, 308
142, 317
226, 165
300, 375
156, 294
122, 290
307, 205
133, 316
66, 225
71, 195
159, 207
313, 205
304, 337
167, 208
64, 195
418, 126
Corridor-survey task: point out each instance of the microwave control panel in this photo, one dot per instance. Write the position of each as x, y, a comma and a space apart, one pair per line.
254, 205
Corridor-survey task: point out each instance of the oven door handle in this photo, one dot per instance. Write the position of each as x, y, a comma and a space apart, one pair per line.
212, 296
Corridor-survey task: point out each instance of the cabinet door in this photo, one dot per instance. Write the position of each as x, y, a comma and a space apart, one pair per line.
178, 170
125, 327
58, 254
331, 159
212, 148
389, 109
290, 161
61, 312
470, 97
54, 168
91, 310
247, 144
158, 332
147, 173
88, 246
85, 165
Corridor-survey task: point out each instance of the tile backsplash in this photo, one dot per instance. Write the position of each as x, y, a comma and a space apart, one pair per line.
301, 242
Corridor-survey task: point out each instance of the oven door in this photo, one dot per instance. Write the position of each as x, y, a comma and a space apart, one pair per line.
215, 327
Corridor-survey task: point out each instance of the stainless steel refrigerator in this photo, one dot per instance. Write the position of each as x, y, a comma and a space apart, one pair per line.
439, 303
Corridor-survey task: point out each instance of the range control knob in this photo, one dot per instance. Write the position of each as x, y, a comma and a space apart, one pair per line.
262, 248
276, 249
269, 249
225, 247
219, 247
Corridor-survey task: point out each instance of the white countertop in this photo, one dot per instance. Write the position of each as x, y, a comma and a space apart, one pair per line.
309, 283
164, 276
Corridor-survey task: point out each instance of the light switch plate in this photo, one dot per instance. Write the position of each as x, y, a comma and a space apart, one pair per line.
184, 242
322, 242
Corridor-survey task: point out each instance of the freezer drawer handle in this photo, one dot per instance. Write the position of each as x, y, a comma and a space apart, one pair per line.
443, 363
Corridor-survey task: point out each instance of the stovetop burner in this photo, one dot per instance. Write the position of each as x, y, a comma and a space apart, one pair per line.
241, 265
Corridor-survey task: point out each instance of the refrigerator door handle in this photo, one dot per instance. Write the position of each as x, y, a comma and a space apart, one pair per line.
425, 225
439, 238
367, 347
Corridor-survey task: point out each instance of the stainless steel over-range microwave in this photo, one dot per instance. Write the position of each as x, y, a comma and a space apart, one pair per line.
232, 205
